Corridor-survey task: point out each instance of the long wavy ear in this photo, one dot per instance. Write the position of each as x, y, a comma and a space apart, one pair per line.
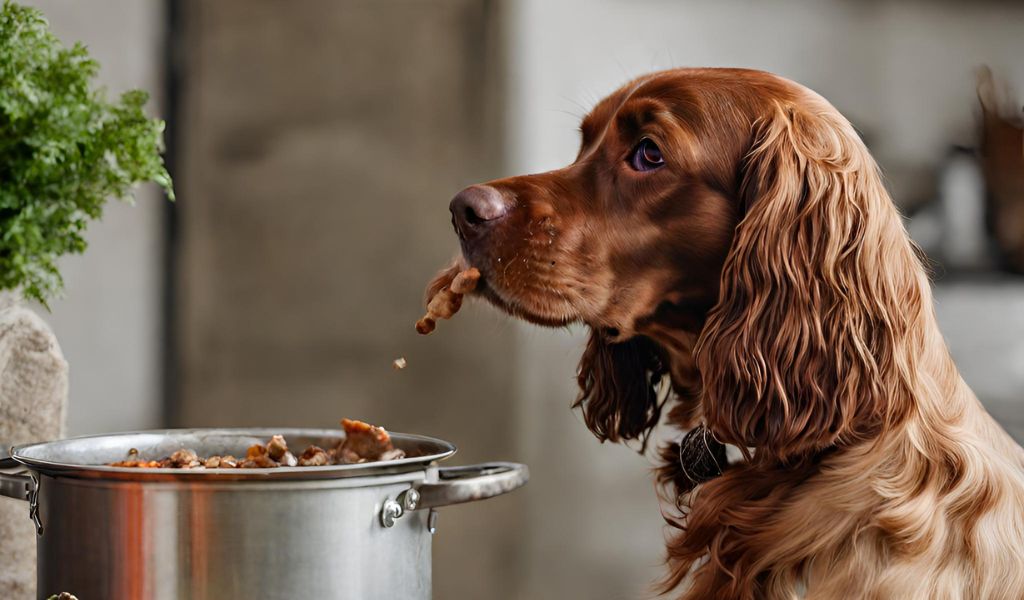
620, 385
817, 331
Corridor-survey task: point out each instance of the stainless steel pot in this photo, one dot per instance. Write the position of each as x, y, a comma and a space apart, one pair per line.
348, 531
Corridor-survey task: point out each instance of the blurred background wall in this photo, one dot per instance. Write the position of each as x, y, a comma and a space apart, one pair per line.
315, 146
110, 321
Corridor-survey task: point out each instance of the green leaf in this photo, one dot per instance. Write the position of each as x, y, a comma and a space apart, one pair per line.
64, 150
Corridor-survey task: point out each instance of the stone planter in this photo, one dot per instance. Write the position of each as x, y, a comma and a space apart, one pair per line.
33, 401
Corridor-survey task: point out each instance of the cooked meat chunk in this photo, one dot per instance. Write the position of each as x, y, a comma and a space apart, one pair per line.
277, 447
256, 450
181, 459
444, 297
136, 464
392, 454
364, 442
221, 462
314, 456
259, 461
288, 460
465, 282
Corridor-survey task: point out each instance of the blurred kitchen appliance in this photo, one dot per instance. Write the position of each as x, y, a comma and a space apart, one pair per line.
965, 244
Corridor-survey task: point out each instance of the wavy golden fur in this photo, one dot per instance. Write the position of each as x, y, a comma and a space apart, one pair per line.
766, 271
876, 473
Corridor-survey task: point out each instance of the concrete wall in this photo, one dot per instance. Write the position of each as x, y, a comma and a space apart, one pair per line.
320, 143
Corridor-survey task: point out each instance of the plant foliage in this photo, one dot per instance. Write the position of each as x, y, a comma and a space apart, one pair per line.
64, 150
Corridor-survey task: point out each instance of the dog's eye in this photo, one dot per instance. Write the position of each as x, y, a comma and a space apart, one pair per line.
647, 156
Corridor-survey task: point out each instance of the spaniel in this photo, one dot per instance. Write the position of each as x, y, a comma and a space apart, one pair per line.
728, 240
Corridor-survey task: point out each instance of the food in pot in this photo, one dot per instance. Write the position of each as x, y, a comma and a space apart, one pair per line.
138, 464
184, 459
363, 443
277, 449
221, 462
399, 363
258, 457
314, 456
446, 301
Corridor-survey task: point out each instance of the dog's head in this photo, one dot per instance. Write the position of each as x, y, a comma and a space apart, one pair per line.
642, 218
724, 226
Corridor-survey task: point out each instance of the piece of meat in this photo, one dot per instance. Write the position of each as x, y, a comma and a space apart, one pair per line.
221, 462
136, 464
392, 454
288, 460
465, 282
181, 459
277, 447
314, 456
257, 457
364, 442
258, 461
445, 294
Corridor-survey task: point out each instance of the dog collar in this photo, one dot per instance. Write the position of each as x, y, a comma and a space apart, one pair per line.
701, 456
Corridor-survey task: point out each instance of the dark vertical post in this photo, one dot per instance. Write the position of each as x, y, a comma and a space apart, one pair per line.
172, 81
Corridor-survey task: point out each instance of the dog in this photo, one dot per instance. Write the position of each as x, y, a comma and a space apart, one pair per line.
730, 243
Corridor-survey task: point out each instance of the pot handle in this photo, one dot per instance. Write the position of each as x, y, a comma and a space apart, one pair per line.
470, 483
6, 462
13, 485
16, 485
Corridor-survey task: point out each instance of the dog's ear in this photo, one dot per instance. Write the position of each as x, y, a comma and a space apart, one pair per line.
619, 388
815, 338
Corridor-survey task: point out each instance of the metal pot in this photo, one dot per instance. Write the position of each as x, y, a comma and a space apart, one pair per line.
346, 531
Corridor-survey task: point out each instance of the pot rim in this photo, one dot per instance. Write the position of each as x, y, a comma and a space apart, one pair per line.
43, 457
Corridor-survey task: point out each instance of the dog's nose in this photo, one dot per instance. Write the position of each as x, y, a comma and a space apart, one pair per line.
476, 208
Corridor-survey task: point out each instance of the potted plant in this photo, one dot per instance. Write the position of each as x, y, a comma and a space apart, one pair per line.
65, 149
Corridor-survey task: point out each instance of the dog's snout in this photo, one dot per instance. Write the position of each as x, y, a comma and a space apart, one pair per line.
476, 208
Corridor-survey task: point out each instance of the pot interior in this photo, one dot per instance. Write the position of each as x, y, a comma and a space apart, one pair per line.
88, 456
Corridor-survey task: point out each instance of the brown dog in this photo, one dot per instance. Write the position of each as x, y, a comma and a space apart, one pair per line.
729, 230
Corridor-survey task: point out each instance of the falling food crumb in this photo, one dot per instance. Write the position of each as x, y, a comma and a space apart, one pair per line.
399, 363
